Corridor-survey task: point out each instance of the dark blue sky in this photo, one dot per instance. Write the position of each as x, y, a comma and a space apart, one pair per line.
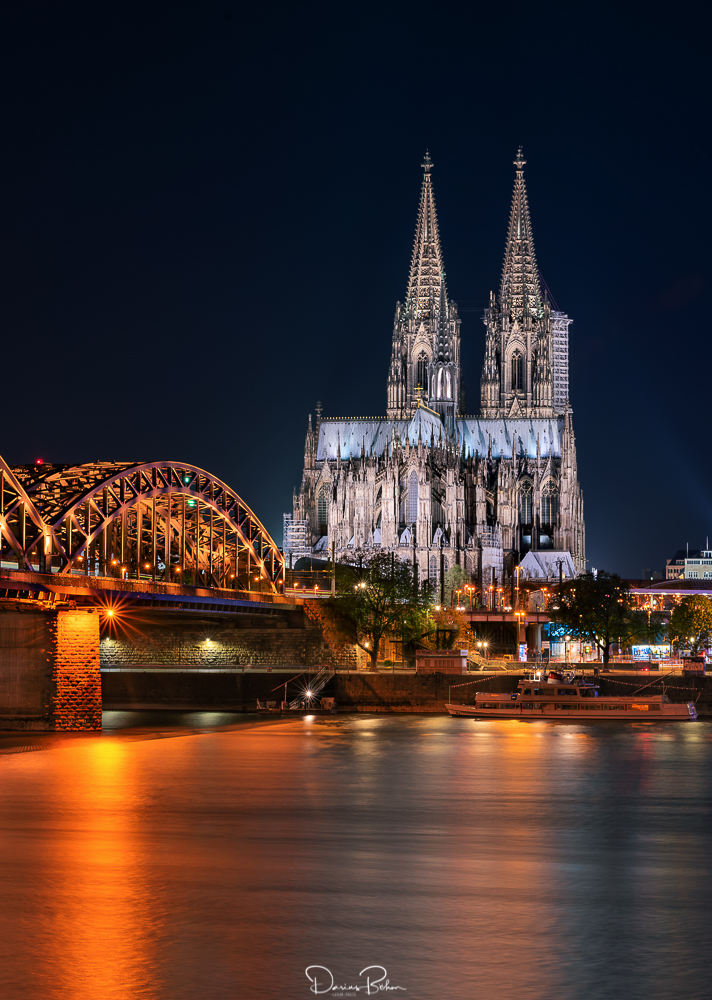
208, 213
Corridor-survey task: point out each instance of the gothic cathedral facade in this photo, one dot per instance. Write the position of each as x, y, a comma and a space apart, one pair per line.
426, 481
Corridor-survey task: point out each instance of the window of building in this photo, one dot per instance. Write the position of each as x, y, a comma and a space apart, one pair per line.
525, 503
423, 373
517, 371
549, 504
322, 508
413, 497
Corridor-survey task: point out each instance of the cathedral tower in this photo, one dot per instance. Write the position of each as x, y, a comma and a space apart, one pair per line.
425, 354
432, 486
525, 371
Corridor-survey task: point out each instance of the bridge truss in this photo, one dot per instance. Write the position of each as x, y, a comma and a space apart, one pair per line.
149, 521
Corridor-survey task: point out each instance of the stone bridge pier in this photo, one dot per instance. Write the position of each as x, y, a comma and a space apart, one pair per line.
49, 668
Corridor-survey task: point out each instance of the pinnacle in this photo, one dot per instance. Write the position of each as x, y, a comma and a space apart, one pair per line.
426, 267
520, 291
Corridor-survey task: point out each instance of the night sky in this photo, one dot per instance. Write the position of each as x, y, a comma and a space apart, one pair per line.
208, 212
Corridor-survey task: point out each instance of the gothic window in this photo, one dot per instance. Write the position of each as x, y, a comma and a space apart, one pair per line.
440, 383
491, 514
433, 568
413, 497
423, 373
448, 390
549, 504
517, 371
322, 508
525, 503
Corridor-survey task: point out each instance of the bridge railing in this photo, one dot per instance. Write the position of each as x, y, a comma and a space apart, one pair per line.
66, 583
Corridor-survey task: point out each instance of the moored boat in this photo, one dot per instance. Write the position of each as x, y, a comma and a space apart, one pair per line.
563, 698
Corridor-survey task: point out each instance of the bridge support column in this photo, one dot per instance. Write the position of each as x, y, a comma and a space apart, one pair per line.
49, 668
76, 681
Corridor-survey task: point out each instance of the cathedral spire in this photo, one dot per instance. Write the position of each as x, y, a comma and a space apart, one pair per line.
520, 291
444, 346
426, 266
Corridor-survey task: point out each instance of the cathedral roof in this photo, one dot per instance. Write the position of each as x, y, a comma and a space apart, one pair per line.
425, 423
501, 433
376, 434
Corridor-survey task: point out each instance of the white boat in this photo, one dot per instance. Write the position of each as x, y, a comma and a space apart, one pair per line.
561, 697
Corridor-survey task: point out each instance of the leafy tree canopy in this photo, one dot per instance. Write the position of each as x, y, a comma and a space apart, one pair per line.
598, 610
455, 579
377, 598
691, 623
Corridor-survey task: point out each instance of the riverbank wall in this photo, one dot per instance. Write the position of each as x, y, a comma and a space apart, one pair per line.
354, 691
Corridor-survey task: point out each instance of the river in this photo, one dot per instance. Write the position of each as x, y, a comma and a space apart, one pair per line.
212, 857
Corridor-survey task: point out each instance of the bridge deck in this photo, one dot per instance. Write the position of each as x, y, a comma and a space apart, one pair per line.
74, 585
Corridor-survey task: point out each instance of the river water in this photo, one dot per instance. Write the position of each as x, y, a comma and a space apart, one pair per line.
215, 857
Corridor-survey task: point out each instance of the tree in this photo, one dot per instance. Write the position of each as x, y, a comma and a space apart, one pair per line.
455, 579
691, 623
379, 598
598, 610
447, 628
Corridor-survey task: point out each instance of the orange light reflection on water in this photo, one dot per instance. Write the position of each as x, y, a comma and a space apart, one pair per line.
98, 923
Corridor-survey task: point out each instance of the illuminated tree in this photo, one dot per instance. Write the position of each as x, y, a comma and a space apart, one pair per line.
455, 579
598, 610
691, 624
378, 598
447, 628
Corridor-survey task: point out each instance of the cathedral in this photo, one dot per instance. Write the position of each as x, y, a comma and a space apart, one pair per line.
426, 481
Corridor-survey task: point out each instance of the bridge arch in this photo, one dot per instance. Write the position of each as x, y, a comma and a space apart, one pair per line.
167, 521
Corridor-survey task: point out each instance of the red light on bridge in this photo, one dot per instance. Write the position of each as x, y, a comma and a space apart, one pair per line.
39, 461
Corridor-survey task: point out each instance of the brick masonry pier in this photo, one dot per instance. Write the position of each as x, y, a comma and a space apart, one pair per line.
49, 669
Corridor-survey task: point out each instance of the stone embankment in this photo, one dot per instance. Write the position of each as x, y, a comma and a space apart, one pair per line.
354, 691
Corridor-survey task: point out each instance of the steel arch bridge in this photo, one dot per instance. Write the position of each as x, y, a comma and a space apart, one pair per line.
164, 521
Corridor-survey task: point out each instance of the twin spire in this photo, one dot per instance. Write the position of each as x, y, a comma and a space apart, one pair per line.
426, 266
520, 291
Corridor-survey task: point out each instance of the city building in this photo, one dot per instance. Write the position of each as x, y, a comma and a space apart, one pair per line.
675, 567
690, 565
428, 482
698, 566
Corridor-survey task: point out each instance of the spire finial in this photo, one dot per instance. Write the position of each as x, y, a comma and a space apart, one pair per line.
427, 163
520, 161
